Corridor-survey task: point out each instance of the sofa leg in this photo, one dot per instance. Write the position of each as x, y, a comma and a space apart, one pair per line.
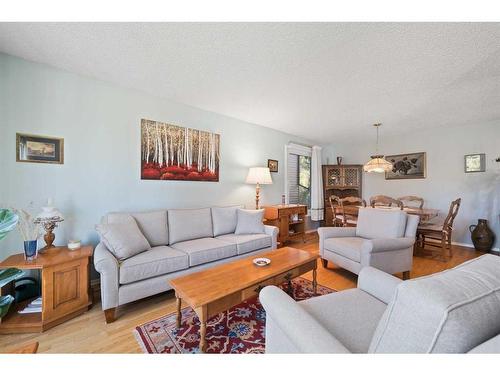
324, 262
406, 275
110, 315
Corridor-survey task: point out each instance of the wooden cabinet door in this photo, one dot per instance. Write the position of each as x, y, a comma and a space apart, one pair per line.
64, 289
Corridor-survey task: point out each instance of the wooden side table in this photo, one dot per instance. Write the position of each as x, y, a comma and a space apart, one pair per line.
281, 216
65, 289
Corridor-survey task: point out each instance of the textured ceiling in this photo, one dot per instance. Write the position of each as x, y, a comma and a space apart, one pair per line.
323, 81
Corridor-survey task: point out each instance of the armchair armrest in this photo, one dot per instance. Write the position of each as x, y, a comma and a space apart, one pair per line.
379, 284
107, 265
331, 232
272, 231
305, 332
378, 245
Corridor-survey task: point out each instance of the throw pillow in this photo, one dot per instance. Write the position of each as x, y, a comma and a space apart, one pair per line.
123, 239
249, 222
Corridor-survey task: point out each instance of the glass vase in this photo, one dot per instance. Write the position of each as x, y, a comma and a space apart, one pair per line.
30, 250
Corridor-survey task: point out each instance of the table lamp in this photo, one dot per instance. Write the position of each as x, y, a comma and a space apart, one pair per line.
258, 176
48, 219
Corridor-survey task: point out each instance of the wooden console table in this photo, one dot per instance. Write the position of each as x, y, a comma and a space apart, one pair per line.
65, 289
281, 216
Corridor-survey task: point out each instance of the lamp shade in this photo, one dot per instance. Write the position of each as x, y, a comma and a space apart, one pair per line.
377, 164
259, 175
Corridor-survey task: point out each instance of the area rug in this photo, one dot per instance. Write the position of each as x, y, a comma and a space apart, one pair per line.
240, 329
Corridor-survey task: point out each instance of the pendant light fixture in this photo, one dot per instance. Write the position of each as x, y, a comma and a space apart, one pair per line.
377, 164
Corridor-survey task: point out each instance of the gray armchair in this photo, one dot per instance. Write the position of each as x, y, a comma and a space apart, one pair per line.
455, 311
383, 238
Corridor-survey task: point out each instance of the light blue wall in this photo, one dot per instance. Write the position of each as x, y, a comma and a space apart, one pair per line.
100, 124
446, 180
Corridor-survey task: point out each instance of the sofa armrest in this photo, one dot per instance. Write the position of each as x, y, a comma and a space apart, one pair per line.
273, 232
330, 232
378, 245
107, 265
379, 284
300, 328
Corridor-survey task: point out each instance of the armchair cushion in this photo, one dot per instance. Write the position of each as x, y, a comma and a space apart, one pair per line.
349, 247
381, 223
351, 316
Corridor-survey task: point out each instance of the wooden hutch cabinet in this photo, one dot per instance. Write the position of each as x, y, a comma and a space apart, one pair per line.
342, 181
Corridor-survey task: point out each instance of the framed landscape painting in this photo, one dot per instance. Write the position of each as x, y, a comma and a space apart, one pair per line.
39, 149
171, 152
407, 166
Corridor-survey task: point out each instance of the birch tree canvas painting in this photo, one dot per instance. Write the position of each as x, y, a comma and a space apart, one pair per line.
171, 152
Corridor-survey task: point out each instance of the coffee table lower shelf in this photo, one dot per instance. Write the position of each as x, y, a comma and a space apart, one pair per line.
224, 303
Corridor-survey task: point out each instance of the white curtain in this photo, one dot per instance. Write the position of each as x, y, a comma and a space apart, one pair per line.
317, 201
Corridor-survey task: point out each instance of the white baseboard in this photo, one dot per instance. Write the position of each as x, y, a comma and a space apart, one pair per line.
495, 249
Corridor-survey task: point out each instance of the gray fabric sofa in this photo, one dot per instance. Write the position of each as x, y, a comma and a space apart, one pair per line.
455, 311
182, 241
383, 238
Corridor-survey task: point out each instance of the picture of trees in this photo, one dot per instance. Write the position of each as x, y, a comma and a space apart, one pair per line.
170, 152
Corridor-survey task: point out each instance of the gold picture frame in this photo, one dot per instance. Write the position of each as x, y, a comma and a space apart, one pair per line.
407, 166
272, 165
32, 148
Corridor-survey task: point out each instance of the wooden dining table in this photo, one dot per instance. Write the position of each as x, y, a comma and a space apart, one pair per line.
425, 214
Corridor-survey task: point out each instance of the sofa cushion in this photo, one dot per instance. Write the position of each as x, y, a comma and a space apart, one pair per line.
204, 250
123, 239
249, 221
448, 312
349, 247
224, 219
351, 316
153, 224
246, 243
160, 260
184, 225
381, 223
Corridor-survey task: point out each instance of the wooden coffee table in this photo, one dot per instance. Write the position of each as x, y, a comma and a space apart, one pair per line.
217, 289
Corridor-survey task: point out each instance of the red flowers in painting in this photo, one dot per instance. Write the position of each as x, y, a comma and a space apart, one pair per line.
170, 152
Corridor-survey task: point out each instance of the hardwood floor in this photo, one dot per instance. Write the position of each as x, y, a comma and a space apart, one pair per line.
89, 333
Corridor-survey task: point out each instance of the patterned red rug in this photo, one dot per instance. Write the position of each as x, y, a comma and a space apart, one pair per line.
241, 329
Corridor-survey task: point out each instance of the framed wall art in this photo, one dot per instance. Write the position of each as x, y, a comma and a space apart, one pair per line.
39, 149
475, 163
171, 152
407, 166
272, 165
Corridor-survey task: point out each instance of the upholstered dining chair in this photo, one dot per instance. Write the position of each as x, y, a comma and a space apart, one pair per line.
439, 235
412, 201
349, 219
385, 201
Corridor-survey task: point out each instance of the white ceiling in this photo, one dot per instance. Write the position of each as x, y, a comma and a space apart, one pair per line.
322, 81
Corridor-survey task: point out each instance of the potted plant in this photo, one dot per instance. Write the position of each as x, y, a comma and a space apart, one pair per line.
30, 231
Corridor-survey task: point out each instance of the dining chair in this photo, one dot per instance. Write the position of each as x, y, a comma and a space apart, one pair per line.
409, 199
385, 201
439, 235
335, 206
350, 219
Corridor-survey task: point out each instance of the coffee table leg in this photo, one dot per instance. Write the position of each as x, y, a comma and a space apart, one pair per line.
179, 313
202, 315
315, 283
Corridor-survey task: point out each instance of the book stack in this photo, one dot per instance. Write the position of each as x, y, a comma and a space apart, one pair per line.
34, 307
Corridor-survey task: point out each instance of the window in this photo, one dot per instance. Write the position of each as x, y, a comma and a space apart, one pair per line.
299, 177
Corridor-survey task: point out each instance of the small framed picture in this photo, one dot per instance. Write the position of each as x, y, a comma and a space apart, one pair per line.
475, 163
39, 149
272, 165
